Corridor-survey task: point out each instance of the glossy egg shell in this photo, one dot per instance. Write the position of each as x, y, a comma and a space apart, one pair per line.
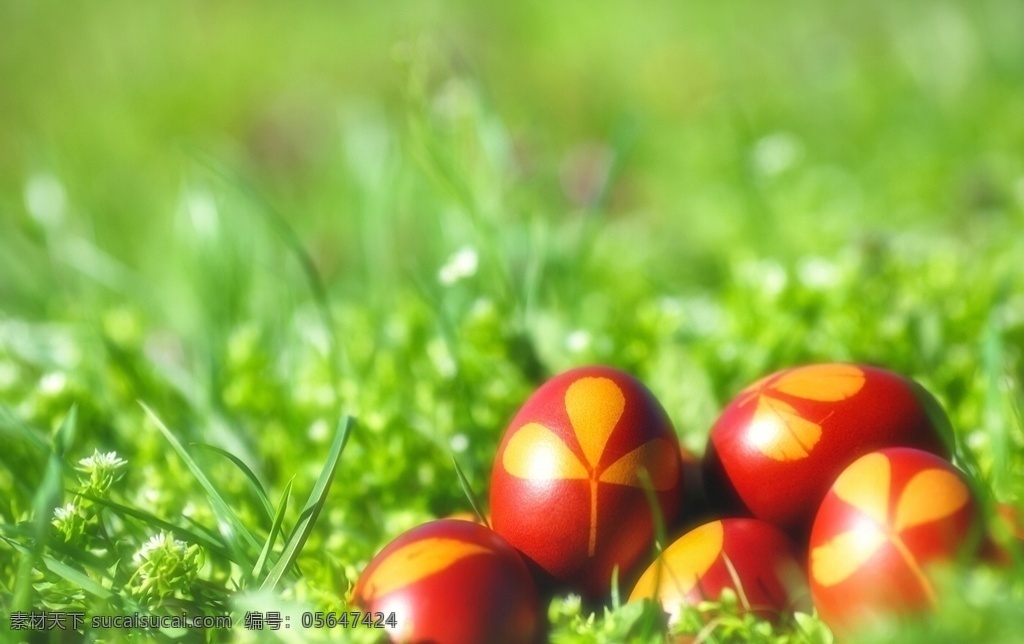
888, 517
471, 517
567, 484
695, 567
781, 442
452, 581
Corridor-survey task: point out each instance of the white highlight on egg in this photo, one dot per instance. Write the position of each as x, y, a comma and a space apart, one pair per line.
763, 432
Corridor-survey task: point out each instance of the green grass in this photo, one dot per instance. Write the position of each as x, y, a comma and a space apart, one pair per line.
225, 229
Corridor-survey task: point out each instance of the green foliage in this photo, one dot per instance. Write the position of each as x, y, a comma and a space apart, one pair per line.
633, 622
254, 219
166, 566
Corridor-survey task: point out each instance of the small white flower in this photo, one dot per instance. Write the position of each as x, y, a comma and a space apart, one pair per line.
441, 356
459, 443
578, 341
65, 513
671, 306
768, 276
46, 200
8, 375
462, 264
482, 308
161, 540
109, 460
776, 153
775, 278
978, 439
817, 273
202, 213
704, 315
53, 383
319, 431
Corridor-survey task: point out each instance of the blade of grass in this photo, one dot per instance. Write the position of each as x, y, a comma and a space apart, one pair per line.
287, 234
220, 506
994, 410
80, 579
76, 577
261, 492
47, 497
468, 491
660, 532
275, 529
737, 582
23, 534
315, 503
12, 427
156, 522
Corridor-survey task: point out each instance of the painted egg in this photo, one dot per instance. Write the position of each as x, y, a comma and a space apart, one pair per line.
887, 518
451, 581
765, 570
777, 446
471, 517
567, 487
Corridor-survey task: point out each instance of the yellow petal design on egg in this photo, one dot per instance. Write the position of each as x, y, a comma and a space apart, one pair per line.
595, 406
837, 559
824, 383
931, 495
754, 391
538, 454
780, 432
865, 486
417, 561
691, 556
656, 456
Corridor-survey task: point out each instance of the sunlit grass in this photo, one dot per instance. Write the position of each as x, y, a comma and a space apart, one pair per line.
261, 227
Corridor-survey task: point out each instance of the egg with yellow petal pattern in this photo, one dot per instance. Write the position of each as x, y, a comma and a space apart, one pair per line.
753, 558
567, 486
886, 521
779, 444
451, 581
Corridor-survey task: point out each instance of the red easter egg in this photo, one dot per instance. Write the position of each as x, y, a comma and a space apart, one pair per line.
887, 518
781, 442
471, 517
451, 581
567, 488
766, 574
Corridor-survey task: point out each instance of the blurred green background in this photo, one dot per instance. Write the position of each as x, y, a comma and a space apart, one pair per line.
256, 216
783, 129
589, 157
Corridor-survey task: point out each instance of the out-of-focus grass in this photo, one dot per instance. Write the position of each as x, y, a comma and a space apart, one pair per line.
487, 195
